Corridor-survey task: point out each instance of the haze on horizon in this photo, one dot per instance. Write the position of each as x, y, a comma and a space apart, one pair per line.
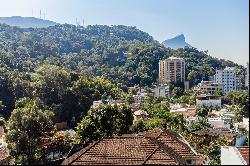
219, 26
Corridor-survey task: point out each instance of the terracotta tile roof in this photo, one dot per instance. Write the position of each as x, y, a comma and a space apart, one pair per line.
153, 147
180, 147
61, 125
215, 132
4, 153
244, 151
159, 157
1, 131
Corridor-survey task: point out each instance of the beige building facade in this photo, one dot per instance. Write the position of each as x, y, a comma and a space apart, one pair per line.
172, 70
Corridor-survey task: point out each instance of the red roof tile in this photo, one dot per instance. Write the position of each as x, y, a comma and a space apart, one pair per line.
244, 151
153, 147
1, 132
4, 153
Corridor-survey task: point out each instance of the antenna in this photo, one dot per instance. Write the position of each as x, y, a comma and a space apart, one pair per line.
44, 15
83, 22
40, 13
77, 23
32, 12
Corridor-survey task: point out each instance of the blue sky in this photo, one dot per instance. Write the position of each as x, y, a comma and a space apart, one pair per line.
219, 26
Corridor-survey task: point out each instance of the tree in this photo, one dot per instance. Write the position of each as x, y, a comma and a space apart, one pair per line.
201, 111
106, 120
239, 112
26, 127
128, 97
238, 98
213, 151
138, 126
199, 123
58, 141
177, 92
50, 83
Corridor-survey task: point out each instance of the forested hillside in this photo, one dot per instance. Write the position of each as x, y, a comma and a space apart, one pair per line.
26, 22
64, 61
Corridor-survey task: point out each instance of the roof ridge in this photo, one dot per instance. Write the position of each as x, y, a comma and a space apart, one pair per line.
176, 137
146, 159
81, 152
168, 150
240, 155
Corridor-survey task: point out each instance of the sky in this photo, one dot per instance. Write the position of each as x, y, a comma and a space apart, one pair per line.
219, 26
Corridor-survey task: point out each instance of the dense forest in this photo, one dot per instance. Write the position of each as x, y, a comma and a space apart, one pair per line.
83, 63
54, 74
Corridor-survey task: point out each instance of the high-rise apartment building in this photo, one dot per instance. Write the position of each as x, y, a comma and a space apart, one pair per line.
228, 77
172, 70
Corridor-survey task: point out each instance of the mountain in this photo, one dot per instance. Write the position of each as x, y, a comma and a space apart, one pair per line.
26, 22
176, 42
122, 54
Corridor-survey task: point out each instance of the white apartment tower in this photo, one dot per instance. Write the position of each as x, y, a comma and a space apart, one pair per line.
228, 78
172, 70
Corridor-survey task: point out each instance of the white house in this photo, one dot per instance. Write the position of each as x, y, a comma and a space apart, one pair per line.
227, 114
139, 97
174, 107
231, 155
97, 103
219, 122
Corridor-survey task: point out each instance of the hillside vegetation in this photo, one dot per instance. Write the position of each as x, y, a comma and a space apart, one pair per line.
62, 64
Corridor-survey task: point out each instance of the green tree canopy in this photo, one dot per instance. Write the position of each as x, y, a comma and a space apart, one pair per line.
106, 120
26, 127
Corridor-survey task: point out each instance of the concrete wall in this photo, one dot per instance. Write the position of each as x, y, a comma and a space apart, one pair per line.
230, 156
208, 103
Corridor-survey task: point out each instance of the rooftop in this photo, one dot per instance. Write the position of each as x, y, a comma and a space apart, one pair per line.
175, 58
1, 131
155, 147
215, 132
4, 153
244, 151
207, 95
140, 112
229, 68
186, 113
210, 83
